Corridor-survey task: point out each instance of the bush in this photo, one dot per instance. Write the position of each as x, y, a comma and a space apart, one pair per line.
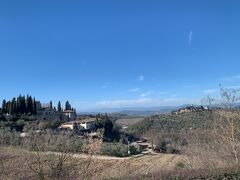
55, 124
180, 165
54, 141
114, 149
8, 137
43, 141
167, 147
134, 150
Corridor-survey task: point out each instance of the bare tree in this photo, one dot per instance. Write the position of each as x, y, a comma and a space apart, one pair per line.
57, 161
37, 163
226, 119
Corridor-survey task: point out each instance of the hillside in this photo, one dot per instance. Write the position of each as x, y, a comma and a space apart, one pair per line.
173, 122
125, 122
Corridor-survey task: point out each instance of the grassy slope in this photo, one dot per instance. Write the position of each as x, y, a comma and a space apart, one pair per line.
128, 121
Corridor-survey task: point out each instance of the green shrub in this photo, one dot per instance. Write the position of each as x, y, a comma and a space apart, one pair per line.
180, 165
114, 149
166, 146
134, 150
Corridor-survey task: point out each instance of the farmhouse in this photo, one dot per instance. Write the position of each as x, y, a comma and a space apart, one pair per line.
86, 124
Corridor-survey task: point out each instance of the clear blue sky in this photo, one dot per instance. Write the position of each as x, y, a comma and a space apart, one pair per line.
125, 53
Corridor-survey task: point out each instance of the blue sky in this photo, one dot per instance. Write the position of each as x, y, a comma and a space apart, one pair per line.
128, 53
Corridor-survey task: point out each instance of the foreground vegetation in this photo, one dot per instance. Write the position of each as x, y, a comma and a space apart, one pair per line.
21, 164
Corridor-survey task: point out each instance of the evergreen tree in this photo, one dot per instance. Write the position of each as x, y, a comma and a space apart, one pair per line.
29, 105
9, 107
23, 106
75, 128
13, 106
34, 107
4, 107
68, 106
59, 107
20, 105
50, 105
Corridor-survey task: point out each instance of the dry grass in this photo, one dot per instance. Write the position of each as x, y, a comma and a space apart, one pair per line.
15, 165
128, 121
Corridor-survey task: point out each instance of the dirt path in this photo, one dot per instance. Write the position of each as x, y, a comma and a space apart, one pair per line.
99, 157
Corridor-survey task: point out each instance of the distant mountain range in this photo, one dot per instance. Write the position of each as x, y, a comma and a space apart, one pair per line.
138, 111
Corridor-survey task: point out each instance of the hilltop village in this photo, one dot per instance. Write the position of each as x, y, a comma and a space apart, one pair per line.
27, 109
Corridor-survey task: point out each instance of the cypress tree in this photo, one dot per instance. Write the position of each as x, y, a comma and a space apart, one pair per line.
34, 107
9, 107
23, 105
59, 107
20, 105
51, 105
4, 107
27, 104
30, 101
68, 106
13, 104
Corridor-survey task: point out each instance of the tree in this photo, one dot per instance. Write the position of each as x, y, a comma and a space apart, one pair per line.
59, 107
111, 130
68, 106
9, 107
4, 107
75, 128
226, 127
226, 117
29, 105
13, 106
51, 105
19, 106
34, 106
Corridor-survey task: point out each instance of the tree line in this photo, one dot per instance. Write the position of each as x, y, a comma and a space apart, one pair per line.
20, 105
28, 105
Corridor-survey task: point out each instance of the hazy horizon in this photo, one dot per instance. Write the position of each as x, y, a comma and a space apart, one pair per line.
117, 54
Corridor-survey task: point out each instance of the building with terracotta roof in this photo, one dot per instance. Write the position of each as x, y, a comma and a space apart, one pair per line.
86, 124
